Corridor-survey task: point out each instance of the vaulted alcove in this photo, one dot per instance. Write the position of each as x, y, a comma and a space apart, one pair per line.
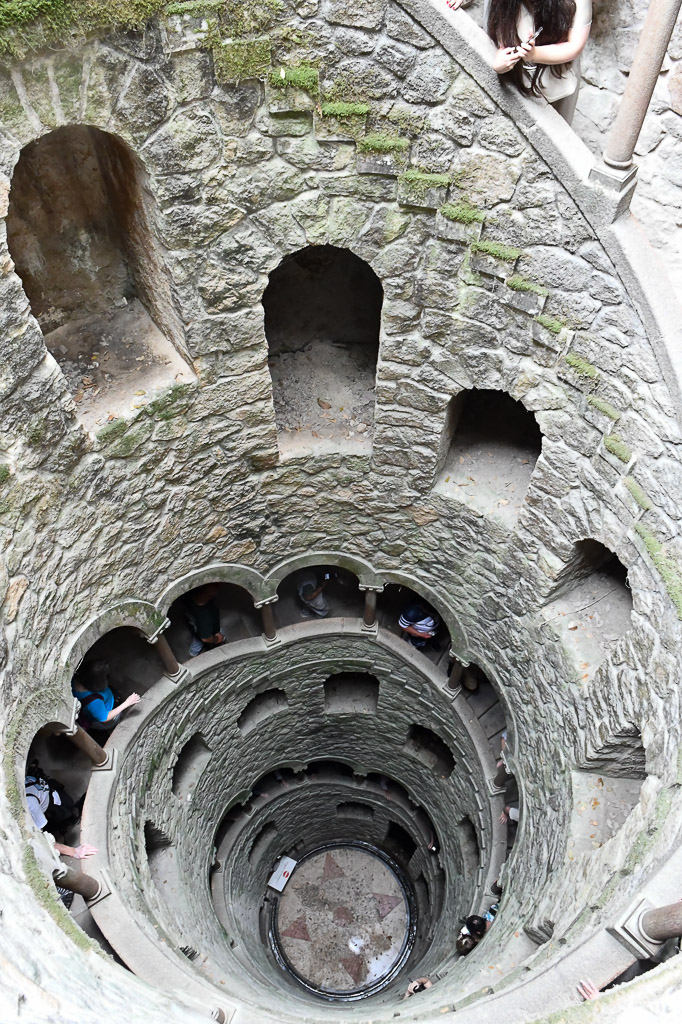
489, 446
79, 233
322, 320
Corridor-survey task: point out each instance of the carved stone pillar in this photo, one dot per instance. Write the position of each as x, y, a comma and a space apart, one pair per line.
268, 617
646, 67
663, 923
369, 617
85, 742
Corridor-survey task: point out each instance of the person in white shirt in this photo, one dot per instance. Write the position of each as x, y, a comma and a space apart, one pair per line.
539, 43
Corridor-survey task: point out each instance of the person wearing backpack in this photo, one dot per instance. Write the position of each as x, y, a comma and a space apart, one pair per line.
101, 706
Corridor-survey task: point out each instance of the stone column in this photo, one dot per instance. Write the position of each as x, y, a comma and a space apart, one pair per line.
455, 673
170, 662
268, 617
663, 923
84, 742
369, 617
77, 881
646, 66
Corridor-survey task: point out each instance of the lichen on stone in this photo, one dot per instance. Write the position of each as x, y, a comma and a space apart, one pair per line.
617, 446
382, 142
497, 250
517, 283
303, 77
581, 366
638, 493
5, 472
462, 213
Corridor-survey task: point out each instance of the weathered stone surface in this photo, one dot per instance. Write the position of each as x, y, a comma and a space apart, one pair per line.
201, 483
369, 14
189, 141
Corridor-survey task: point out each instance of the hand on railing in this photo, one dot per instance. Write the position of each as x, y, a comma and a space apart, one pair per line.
588, 989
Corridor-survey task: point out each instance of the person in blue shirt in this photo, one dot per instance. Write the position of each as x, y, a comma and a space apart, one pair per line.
99, 710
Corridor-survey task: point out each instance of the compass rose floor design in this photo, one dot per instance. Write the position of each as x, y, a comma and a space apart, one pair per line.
342, 920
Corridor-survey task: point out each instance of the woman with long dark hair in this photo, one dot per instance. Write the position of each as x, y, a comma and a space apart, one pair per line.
539, 43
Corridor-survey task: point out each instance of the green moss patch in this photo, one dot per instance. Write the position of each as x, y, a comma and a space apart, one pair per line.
638, 493
406, 121
617, 446
340, 109
197, 7
110, 431
241, 58
5, 472
462, 213
553, 324
419, 182
666, 566
32, 24
497, 250
603, 406
382, 142
517, 283
303, 77
581, 366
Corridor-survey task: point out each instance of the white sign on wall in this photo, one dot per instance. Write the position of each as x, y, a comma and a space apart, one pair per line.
282, 873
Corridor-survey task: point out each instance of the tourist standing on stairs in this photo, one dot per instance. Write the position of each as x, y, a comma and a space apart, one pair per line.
539, 45
203, 616
310, 592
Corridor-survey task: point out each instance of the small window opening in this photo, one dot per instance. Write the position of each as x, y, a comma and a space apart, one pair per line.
322, 320
262, 842
351, 693
430, 749
399, 843
154, 837
352, 809
191, 762
261, 708
161, 857
468, 844
78, 231
489, 447
620, 754
591, 603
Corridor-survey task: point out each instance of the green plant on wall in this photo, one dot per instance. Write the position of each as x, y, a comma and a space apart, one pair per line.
382, 142
302, 77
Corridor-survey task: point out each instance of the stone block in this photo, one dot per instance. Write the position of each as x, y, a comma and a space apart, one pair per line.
289, 100
525, 301
380, 163
483, 263
334, 129
419, 193
368, 14
456, 231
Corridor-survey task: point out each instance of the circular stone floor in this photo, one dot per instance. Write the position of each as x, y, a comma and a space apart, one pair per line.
343, 920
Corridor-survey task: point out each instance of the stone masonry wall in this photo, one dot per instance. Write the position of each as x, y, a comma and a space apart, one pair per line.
242, 175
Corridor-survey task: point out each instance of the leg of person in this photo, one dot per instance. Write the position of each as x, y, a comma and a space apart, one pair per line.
195, 647
566, 106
